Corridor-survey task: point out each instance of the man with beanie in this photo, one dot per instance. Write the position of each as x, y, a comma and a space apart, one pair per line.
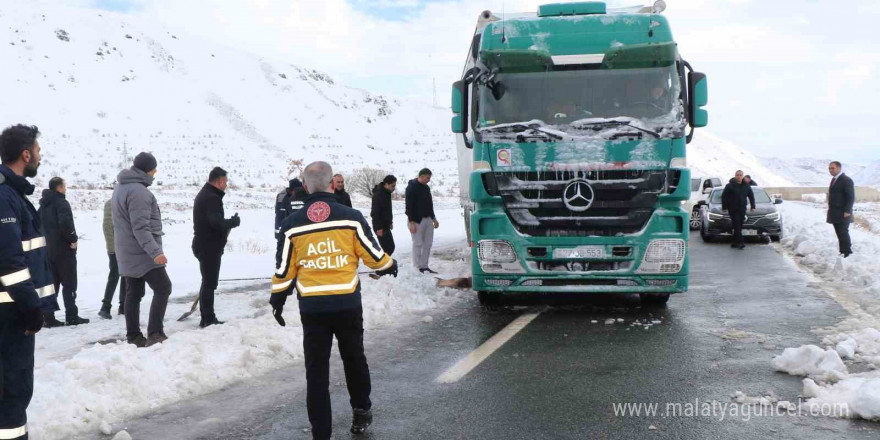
61, 239
137, 228
211, 230
24, 277
381, 213
421, 218
288, 202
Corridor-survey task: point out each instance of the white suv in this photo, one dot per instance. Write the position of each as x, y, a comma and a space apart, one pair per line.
700, 189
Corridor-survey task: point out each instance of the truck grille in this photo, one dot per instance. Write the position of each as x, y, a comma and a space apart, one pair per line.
624, 201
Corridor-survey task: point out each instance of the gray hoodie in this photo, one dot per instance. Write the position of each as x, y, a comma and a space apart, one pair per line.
137, 224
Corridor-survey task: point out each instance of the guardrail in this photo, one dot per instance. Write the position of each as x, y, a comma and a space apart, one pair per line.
863, 193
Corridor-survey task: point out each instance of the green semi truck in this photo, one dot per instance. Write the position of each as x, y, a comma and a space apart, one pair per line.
571, 126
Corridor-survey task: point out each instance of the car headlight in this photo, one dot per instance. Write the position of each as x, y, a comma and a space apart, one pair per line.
774, 216
714, 216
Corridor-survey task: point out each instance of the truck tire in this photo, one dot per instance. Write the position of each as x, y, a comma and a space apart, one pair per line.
654, 299
489, 300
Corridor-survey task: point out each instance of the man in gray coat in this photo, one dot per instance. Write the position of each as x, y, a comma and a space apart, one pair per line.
137, 228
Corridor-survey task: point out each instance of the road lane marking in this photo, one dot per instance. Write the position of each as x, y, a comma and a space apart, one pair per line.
476, 357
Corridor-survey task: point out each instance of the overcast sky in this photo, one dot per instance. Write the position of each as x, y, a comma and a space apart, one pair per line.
787, 78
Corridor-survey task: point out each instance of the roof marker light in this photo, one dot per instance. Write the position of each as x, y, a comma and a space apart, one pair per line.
659, 6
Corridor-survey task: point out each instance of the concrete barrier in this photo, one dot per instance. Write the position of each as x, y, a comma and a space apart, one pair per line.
863, 193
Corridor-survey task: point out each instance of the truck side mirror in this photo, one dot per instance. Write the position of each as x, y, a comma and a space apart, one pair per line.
460, 107
699, 97
707, 190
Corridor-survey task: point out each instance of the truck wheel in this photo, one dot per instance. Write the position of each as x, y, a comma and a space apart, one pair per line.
489, 300
696, 220
654, 299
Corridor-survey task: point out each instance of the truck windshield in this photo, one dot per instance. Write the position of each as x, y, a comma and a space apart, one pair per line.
559, 98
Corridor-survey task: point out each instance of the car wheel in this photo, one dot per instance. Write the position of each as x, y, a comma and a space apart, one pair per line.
654, 299
704, 234
696, 219
775, 238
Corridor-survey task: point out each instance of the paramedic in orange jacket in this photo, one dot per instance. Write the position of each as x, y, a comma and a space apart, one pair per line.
319, 251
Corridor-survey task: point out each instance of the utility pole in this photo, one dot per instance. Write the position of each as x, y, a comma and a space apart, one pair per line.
435, 90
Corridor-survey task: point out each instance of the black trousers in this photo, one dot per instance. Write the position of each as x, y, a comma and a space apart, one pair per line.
387, 242
209, 266
318, 331
843, 240
135, 290
64, 274
112, 280
737, 218
16, 374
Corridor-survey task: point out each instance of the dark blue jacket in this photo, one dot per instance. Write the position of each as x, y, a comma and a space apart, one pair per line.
24, 258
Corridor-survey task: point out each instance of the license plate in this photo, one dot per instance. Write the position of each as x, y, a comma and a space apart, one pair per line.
750, 232
580, 252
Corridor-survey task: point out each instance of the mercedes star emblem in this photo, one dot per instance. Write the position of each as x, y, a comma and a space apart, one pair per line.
578, 196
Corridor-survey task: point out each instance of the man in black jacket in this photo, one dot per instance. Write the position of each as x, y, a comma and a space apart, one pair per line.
211, 231
841, 197
288, 202
381, 213
734, 199
421, 219
61, 239
339, 190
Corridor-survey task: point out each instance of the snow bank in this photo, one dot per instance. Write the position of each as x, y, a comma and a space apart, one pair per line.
810, 360
856, 339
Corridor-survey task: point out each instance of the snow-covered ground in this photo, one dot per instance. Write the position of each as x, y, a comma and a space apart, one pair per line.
88, 379
846, 369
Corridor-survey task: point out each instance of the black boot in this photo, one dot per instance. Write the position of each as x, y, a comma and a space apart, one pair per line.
105, 313
361, 419
138, 340
76, 320
49, 320
209, 322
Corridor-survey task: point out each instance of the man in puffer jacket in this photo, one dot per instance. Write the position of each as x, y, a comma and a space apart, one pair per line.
137, 228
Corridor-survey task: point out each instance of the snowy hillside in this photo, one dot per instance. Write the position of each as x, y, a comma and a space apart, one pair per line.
808, 171
869, 175
100, 84
711, 156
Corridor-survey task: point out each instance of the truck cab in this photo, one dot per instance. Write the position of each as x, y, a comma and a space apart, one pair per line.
571, 127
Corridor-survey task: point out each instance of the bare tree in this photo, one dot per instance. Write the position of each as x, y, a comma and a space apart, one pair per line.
362, 180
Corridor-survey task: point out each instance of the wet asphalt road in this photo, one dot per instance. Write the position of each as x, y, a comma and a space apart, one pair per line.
559, 377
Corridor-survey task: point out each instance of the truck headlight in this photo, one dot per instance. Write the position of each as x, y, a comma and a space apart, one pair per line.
663, 256
496, 251
498, 256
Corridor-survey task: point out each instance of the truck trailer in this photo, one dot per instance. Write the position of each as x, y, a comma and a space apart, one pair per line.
571, 127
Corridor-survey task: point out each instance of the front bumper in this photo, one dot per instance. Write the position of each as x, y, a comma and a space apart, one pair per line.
762, 226
539, 270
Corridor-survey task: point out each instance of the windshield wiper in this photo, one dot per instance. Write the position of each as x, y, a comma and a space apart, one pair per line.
519, 128
614, 123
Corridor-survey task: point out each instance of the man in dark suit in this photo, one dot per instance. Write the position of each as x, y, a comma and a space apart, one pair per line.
735, 199
841, 196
